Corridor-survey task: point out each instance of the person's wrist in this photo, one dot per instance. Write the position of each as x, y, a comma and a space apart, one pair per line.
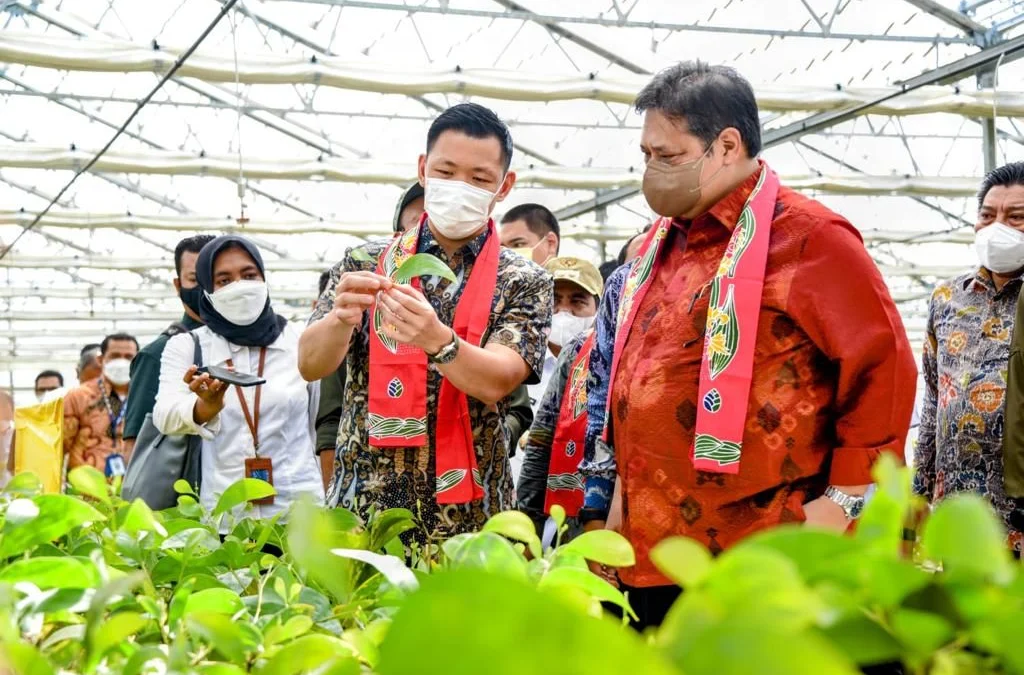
439, 337
204, 411
339, 323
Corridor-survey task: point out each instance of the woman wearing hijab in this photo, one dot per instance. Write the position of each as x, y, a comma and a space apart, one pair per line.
263, 431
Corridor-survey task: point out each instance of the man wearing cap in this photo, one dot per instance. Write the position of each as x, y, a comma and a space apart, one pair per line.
555, 446
576, 294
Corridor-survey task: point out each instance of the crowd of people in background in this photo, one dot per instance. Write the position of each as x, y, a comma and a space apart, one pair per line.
741, 364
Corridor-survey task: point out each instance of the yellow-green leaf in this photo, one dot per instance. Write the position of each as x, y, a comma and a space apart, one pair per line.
215, 600
602, 546
89, 481
245, 490
518, 526
311, 652
423, 265
682, 560
46, 572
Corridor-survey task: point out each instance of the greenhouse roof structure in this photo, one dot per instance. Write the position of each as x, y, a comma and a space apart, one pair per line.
888, 111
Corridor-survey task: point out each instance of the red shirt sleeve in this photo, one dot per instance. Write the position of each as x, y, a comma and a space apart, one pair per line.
839, 299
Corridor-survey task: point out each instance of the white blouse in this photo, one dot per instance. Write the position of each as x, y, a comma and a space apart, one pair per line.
288, 408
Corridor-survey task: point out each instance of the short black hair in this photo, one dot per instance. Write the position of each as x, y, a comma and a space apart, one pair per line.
50, 373
325, 278
607, 267
538, 219
475, 121
117, 337
621, 259
92, 346
193, 244
709, 98
1003, 176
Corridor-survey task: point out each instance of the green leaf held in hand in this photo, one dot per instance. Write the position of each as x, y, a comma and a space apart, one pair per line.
423, 265
360, 255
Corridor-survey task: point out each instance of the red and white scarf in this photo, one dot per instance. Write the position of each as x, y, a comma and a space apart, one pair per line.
398, 376
565, 485
727, 364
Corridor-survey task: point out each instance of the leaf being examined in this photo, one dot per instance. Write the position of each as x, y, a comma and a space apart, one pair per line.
423, 265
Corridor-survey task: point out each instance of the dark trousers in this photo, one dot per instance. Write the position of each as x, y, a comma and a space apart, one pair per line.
651, 604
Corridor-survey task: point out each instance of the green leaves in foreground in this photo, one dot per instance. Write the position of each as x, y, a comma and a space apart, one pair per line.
423, 265
55, 517
964, 534
448, 626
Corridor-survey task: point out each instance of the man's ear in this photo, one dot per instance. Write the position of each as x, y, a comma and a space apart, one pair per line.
506, 186
732, 146
421, 171
177, 286
553, 241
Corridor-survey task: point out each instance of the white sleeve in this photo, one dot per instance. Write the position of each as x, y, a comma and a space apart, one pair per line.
172, 414
313, 390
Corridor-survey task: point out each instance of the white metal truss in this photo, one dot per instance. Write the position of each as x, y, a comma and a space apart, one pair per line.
335, 97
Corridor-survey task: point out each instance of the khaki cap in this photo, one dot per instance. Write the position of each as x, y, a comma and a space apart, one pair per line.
578, 271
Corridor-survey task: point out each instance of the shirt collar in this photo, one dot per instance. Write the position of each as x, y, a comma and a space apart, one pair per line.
428, 243
727, 210
982, 280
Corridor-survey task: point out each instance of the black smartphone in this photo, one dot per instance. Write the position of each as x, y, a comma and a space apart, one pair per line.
232, 377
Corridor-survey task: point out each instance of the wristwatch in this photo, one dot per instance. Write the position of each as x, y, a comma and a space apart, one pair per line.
852, 505
447, 353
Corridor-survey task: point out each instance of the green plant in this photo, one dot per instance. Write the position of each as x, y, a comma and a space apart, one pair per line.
91, 584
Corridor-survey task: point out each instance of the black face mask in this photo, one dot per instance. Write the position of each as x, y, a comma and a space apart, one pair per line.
190, 297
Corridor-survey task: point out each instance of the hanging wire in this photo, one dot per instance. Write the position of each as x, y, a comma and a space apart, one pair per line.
995, 106
120, 130
242, 218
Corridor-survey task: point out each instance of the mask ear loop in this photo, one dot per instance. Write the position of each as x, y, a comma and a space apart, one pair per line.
701, 184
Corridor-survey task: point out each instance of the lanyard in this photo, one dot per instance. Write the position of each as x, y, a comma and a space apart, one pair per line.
252, 419
115, 420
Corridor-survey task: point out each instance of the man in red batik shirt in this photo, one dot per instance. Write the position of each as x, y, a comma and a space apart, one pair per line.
750, 366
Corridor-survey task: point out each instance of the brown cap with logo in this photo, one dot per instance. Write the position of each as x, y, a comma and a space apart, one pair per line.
578, 271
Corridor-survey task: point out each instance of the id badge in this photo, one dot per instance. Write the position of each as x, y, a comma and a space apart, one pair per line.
114, 466
260, 468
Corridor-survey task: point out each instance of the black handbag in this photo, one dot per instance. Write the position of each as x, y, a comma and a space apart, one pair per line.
158, 461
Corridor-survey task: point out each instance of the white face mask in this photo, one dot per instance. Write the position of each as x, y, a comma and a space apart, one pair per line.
566, 325
240, 302
1000, 248
118, 371
458, 210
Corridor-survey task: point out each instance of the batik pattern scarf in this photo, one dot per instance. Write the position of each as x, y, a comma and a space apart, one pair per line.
398, 377
727, 363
